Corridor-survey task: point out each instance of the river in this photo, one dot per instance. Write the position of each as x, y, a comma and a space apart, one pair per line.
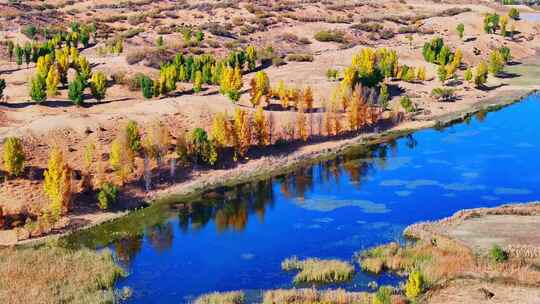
235, 238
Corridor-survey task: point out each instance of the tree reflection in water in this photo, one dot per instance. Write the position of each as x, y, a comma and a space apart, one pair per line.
229, 208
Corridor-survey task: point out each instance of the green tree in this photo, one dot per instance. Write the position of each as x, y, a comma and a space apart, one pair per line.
460, 29
468, 74
491, 23
107, 196
27, 53
2, 87
199, 36
14, 156
76, 89
19, 53
147, 87
98, 85
11, 48
384, 96
38, 89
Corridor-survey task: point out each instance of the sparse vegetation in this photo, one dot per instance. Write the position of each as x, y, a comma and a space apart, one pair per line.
330, 36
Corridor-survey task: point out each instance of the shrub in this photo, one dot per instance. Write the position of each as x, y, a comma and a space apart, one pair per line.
330, 36
505, 53
136, 56
498, 255
13, 156
443, 94
332, 74
407, 104
107, 196
514, 13
300, 57
415, 285
460, 29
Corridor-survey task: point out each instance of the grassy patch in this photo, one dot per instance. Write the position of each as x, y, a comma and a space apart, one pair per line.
330, 36
319, 271
56, 275
231, 297
312, 296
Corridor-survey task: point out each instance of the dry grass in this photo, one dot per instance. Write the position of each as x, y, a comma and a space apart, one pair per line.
439, 260
314, 296
231, 297
319, 271
54, 275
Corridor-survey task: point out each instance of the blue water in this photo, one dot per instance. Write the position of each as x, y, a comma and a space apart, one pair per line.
236, 238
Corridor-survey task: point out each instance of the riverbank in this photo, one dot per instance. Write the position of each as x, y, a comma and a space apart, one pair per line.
481, 255
307, 154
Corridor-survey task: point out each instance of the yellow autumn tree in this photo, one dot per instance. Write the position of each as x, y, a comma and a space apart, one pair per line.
262, 127
242, 130
307, 99
121, 158
301, 124
57, 184
260, 86
52, 81
220, 132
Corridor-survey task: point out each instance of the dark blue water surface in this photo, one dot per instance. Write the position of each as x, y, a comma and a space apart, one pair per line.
236, 238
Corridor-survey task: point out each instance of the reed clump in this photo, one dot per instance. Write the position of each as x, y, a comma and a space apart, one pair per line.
230, 297
318, 271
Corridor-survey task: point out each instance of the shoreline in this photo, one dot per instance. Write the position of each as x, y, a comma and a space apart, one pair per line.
306, 155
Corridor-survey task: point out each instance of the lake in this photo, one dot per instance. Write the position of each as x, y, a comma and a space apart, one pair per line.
235, 238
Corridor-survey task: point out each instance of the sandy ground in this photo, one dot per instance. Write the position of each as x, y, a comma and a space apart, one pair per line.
513, 227
471, 291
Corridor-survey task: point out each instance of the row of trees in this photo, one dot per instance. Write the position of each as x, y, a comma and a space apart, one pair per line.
202, 69
53, 70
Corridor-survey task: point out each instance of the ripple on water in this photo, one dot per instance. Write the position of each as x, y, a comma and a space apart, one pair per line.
327, 205
511, 191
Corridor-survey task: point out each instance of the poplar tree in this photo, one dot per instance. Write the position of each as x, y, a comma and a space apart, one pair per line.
262, 128
52, 81
242, 132
14, 156
57, 184
38, 89
98, 85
